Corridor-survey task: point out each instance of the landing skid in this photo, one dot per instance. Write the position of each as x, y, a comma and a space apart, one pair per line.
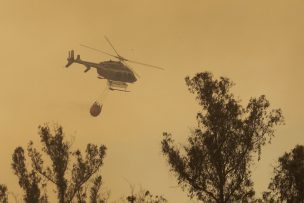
118, 90
118, 86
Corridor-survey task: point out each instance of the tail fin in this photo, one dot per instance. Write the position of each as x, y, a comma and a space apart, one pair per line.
70, 58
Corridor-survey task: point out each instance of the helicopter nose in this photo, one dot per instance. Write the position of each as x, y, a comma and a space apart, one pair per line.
134, 79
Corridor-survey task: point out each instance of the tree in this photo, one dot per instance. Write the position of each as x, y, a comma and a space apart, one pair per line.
62, 160
3, 194
287, 184
215, 164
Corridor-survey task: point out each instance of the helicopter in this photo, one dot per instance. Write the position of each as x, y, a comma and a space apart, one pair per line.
117, 73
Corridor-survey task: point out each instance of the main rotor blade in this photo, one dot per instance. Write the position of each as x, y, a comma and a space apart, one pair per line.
145, 64
120, 57
98, 50
112, 46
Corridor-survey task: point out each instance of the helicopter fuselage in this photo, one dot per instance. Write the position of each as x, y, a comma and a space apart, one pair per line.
110, 70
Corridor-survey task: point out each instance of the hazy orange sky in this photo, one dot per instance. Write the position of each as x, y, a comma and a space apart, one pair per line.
258, 44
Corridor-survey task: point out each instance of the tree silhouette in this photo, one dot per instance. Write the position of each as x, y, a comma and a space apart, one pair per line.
3, 194
68, 170
287, 185
215, 164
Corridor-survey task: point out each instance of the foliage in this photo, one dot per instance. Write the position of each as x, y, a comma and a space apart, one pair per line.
95, 189
3, 194
62, 160
287, 185
215, 164
144, 196
28, 181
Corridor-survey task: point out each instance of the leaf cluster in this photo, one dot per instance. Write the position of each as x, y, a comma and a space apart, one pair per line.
287, 184
3, 194
145, 196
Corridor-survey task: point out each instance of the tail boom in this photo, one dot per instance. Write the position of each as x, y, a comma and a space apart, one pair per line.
71, 59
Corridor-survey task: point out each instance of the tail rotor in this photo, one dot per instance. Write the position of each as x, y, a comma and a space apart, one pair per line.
70, 58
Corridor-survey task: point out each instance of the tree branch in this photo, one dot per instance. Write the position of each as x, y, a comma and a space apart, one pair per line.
77, 187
